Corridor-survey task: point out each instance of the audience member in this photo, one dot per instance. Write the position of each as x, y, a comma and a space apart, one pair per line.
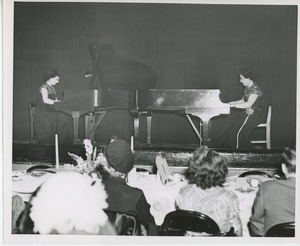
18, 206
275, 199
116, 164
67, 203
205, 193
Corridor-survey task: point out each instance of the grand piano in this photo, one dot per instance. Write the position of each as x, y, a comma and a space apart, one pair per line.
117, 77
128, 85
204, 104
90, 102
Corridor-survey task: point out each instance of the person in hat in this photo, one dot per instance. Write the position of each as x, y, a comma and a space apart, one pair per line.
122, 197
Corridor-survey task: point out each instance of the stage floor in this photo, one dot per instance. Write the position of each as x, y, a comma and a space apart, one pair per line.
176, 155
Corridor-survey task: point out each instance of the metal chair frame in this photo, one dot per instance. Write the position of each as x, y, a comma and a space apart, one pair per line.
125, 223
282, 230
255, 172
180, 222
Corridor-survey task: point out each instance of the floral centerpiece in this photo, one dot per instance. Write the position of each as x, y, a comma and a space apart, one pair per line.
92, 159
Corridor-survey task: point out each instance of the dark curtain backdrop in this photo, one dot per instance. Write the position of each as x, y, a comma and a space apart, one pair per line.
189, 46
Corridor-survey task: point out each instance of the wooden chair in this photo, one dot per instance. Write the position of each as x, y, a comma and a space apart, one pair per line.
267, 126
33, 135
282, 230
185, 223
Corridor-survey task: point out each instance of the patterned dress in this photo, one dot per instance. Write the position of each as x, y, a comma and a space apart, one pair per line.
218, 203
49, 122
227, 138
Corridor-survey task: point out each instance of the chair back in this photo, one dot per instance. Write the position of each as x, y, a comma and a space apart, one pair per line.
267, 125
269, 115
125, 223
282, 230
255, 173
185, 223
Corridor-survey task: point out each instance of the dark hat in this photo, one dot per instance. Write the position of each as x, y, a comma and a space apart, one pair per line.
119, 156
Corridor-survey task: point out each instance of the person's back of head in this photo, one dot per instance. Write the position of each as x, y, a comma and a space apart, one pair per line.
289, 161
207, 168
119, 159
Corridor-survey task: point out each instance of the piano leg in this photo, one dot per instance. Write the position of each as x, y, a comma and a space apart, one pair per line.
89, 120
206, 131
91, 134
75, 115
205, 119
149, 119
195, 129
136, 128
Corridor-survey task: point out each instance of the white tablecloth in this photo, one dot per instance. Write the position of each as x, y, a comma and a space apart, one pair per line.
162, 198
24, 184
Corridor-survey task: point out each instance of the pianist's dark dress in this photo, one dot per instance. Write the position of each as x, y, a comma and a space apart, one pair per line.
244, 120
49, 122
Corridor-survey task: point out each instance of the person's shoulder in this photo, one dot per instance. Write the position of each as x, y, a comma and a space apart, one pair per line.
134, 190
186, 188
43, 86
273, 184
256, 88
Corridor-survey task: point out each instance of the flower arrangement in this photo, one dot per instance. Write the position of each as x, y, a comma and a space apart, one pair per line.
92, 159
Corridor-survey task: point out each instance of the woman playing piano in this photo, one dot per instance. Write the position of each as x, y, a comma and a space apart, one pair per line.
47, 121
245, 114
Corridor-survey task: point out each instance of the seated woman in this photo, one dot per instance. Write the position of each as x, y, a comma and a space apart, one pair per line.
205, 193
245, 114
47, 121
67, 203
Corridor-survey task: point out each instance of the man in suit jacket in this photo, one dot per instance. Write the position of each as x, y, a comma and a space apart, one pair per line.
275, 200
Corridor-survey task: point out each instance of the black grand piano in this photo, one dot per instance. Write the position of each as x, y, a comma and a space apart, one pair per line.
128, 85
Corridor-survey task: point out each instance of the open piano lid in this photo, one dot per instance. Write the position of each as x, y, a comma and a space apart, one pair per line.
119, 73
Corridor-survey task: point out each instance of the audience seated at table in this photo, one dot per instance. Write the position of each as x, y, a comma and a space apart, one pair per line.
67, 203
206, 173
275, 199
118, 162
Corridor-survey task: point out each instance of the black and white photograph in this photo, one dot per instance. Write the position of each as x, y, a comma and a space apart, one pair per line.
150, 122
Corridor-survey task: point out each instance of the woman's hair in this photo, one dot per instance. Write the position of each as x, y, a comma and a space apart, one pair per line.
247, 73
207, 168
289, 159
51, 74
